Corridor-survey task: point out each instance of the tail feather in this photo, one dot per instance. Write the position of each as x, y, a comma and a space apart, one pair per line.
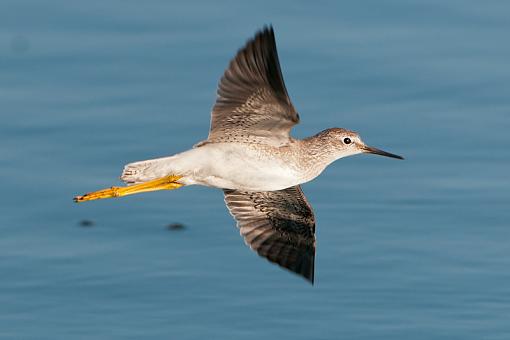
143, 171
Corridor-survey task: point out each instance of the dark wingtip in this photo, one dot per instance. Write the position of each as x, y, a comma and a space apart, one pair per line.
311, 277
266, 33
267, 29
311, 280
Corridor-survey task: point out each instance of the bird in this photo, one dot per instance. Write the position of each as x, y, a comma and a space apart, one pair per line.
250, 155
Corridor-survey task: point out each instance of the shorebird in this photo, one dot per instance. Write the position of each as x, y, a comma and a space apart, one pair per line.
250, 155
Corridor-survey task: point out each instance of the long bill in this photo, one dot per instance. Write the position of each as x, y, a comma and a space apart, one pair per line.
375, 151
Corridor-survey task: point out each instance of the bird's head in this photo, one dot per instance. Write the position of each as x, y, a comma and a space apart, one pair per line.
347, 143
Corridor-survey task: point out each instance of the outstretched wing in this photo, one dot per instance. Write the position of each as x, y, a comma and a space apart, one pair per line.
278, 225
253, 104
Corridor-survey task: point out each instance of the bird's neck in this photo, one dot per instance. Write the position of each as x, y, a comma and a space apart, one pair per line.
318, 153
319, 149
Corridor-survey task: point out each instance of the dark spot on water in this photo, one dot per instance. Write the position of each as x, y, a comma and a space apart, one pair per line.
175, 226
86, 223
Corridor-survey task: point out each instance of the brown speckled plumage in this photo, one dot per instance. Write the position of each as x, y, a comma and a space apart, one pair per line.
278, 225
253, 105
254, 109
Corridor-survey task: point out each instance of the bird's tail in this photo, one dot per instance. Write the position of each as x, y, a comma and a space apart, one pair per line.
143, 171
144, 176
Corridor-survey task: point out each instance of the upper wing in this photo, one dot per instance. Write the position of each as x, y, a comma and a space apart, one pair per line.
253, 104
278, 225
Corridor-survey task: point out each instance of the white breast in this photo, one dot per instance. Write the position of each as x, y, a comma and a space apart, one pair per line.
234, 166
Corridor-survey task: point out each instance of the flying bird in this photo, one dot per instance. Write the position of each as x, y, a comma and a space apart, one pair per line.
250, 155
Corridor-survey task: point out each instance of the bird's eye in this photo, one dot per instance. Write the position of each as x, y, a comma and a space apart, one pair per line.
347, 140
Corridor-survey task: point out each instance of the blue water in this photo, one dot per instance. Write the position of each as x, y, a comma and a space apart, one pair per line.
414, 249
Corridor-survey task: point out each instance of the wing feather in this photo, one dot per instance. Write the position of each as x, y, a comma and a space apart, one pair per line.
278, 225
253, 104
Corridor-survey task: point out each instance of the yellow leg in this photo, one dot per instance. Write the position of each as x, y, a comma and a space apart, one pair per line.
164, 183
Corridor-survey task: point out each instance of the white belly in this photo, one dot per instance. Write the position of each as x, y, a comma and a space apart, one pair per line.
234, 166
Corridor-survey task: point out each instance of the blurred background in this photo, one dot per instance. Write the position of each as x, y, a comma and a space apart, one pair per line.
414, 249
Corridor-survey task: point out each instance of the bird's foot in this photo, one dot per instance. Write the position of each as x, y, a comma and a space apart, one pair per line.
164, 183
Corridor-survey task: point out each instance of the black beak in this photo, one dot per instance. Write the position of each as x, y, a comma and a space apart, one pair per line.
376, 151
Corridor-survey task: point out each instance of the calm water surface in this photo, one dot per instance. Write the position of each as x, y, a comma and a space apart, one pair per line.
417, 249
